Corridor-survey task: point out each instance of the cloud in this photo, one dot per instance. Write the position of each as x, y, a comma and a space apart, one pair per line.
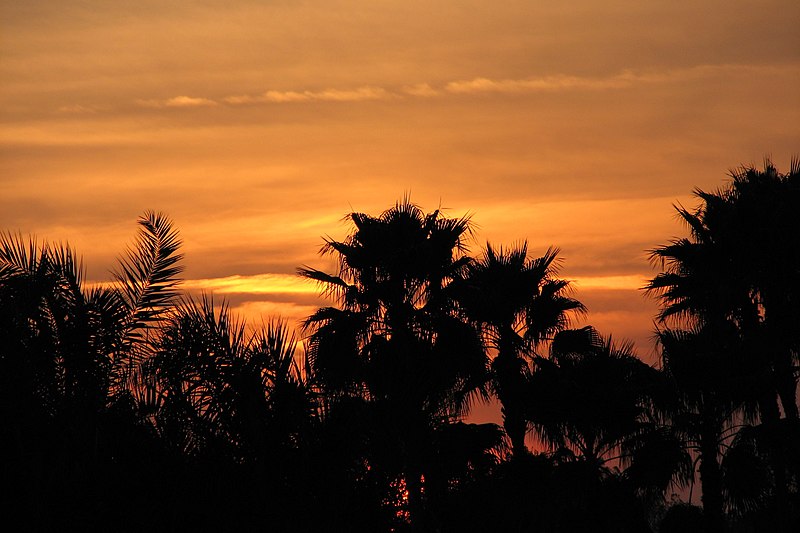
178, 101
421, 90
327, 95
77, 109
188, 101
622, 80
478, 85
544, 84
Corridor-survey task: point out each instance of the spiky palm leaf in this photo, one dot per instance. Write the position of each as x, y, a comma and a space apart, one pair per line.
147, 276
146, 285
517, 303
224, 391
64, 340
394, 342
590, 396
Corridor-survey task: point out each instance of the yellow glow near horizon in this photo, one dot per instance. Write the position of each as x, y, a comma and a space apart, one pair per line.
633, 282
255, 284
292, 284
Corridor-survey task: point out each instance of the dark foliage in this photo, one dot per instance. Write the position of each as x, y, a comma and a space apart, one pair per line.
129, 407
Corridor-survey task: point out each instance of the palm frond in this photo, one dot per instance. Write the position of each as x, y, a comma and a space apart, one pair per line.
16, 255
147, 275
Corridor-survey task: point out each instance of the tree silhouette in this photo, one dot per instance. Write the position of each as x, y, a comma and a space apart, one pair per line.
589, 396
734, 282
517, 303
590, 403
225, 393
121, 396
67, 354
394, 341
708, 388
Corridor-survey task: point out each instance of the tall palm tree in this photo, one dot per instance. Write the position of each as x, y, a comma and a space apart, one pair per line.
741, 264
517, 303
740, 269
705, 368
762, 214
393, 340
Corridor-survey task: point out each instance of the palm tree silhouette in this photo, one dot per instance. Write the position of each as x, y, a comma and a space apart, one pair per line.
590, 404
78, 340
708, 383
517, 303
68, 354
739, 271
226, 393
394, 341
589, 396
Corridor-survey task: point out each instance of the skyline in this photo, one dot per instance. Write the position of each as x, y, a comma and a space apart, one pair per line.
257, 126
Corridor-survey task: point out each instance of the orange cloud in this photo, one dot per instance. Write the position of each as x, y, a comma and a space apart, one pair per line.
626, 78
178, 101
421, 90
327, 95
77, 109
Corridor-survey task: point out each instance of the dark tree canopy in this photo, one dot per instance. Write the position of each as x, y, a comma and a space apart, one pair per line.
130, 405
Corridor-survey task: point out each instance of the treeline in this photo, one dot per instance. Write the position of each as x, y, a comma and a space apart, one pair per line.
129, 407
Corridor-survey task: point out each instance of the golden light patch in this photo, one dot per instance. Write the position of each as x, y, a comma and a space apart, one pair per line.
256, 284
632, 282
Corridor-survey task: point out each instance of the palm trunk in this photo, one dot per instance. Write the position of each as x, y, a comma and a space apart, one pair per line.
516, 427
510, 382
770, 419
787, 385
711, 477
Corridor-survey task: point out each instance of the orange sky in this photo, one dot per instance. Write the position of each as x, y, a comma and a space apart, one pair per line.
258, 124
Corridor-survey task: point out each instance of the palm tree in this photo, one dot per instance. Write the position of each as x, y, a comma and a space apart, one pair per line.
67, 353
393, 341
739, 269
77, 341
145, 285
762, 213
48, 324
225, 393
707, 376
517, 303
589, 396
591, 404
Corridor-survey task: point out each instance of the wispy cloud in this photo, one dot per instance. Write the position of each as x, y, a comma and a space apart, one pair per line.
178, 101
188, 101
479, 85
622, 80
549, 83
291, 284
421, 90
327, 95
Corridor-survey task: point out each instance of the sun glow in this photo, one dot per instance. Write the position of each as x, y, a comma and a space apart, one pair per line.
256, 284
632, 282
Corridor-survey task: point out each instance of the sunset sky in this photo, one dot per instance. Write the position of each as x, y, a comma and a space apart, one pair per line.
257, 125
